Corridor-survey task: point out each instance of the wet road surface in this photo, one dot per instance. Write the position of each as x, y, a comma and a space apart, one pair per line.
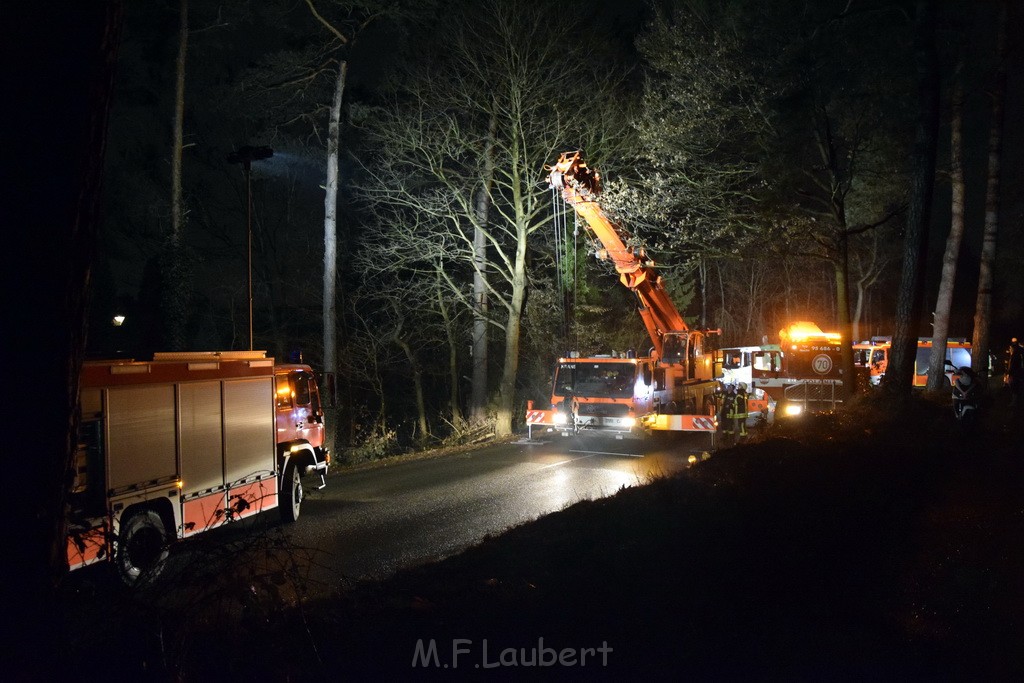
373, 520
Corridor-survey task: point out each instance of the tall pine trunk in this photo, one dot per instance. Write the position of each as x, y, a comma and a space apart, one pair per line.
899, 373
944, 300
175, 271
330, 306
478, 391
983, 308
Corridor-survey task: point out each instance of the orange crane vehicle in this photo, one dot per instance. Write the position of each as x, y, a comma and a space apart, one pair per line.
183, 443
670, 389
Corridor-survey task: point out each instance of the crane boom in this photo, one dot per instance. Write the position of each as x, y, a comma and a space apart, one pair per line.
580, 187
672, 388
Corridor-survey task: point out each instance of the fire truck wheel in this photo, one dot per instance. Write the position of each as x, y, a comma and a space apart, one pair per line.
142, 547
291, 493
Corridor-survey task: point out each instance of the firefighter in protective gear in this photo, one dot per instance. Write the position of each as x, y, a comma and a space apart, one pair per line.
739, 414
1015, 371
727, 406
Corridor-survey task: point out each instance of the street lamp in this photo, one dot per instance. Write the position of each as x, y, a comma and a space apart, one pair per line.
246, 155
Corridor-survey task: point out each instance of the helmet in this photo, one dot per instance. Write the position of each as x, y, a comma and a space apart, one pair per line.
966, 376
743, 386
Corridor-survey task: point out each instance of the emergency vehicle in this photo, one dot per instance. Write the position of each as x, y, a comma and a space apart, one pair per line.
186, 442
756, 367
669, 389
958, 355
801, 373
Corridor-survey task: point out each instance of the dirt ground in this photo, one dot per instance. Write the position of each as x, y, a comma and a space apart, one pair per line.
853, 546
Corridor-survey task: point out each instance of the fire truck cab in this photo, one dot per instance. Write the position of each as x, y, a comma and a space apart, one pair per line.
759, 368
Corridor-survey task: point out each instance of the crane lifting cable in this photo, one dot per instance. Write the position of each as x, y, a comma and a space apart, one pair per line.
566, 267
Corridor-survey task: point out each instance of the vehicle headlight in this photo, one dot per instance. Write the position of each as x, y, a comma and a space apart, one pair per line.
629, 422
793, 409
560, 418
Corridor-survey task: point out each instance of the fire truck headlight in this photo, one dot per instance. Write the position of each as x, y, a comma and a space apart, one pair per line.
792, 409
560, 418
629, 422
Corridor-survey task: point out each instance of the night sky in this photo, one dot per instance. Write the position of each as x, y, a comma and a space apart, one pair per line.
229, 41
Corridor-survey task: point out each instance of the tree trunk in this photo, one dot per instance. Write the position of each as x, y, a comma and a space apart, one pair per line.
703, 274
899, 373
59, 150
478, 396
513, 327
983, 308
858, 313
175, 270
458, 420
423, 429
944, 299
842, 275
330, 307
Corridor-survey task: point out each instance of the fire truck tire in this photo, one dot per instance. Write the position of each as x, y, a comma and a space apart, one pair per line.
142, 547
291, 492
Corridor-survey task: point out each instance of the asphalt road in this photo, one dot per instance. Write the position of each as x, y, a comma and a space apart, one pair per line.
373, 520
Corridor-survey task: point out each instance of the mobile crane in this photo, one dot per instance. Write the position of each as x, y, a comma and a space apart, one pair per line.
670, 389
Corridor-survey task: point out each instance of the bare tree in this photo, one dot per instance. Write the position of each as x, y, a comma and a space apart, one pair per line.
449, 321
345, 33
305, 90
868, 266
369, 354
506, 68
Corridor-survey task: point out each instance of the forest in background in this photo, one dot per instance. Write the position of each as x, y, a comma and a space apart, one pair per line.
761, 157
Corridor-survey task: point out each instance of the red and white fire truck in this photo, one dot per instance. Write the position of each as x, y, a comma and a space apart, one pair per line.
672, 388
875, 355
801, 373
184, 443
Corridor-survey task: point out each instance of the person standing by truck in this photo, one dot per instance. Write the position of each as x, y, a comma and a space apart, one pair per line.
739, 413
1015, 371
726, 411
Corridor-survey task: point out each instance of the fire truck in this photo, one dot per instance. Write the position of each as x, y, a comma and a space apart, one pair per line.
958, 355
801, 373
671, 388
176, 446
